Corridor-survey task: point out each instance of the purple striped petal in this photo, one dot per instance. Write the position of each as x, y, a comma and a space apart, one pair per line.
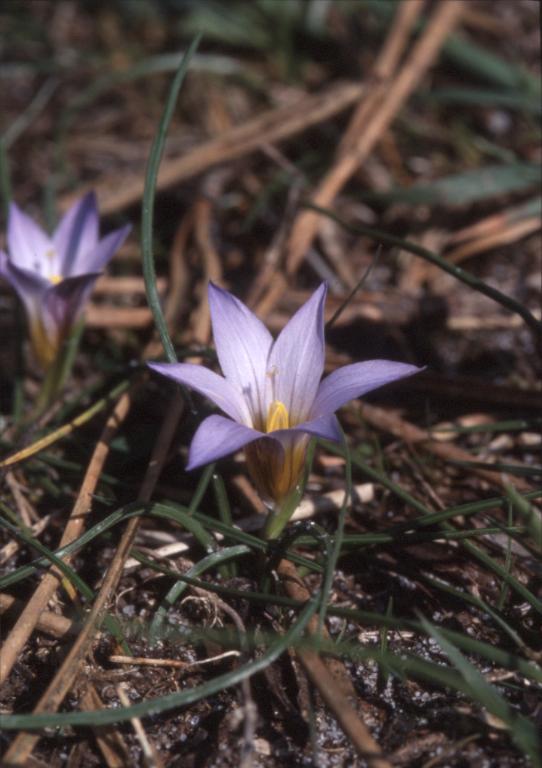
77, 236
64, 302
296, 360
355, 380
96, 260
217, 437
28, 244
242, 344
222, 392
29, 286
326, 426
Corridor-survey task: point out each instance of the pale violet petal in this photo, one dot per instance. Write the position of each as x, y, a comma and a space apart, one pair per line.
96, 260
30, 287
64, 302
355, 380
326, 426
242, 345
77, 235
296, 360
28, 245
221, 391
217, 437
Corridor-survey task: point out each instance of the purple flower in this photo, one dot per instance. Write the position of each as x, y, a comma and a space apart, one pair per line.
271, 392
55, 275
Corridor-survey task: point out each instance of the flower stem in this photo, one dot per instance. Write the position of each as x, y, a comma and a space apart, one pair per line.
280, 514
282, 511
59, 371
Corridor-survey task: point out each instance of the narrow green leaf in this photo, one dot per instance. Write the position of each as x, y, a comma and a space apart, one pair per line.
155, 706
147, 211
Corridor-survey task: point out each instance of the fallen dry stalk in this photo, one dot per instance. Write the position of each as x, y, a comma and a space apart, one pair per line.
331, 678
48, 622
21, 748
270, 127
410, 433
29, 618
384, 69
114, 750
444, 20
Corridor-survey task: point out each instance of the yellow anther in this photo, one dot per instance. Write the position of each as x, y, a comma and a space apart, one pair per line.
277, 417
55, 279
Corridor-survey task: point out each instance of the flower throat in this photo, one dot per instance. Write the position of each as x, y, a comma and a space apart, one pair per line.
277, 417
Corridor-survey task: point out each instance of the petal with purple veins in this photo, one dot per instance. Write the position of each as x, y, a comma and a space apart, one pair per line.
64, 302
242, 345
29, 246
326, 426
355, 380
29, 286
217, 437
77, 236
95, 260
296, 360
221, 391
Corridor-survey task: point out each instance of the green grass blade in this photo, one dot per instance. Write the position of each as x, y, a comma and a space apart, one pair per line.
176, 591
164, 703
522, 730
147, 212
452, 269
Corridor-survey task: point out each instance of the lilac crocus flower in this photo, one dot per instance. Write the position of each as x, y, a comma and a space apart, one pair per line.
54, 276
271, 391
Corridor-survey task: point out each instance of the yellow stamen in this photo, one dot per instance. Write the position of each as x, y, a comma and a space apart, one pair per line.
277, 417
55, 279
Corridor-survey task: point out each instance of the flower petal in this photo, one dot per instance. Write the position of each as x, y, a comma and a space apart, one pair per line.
355, 380
221, 391
64, 302
29, 286
96, 260
77, 235
28, 244
326, 426
242, 344
217, 437
296, 360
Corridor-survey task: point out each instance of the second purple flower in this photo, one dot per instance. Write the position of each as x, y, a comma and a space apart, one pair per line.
54, 275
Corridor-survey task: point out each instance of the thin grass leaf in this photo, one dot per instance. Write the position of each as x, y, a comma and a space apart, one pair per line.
519, 470
331, 561
160, 704
486, 559
505, 589
217, 559
511, 425
522, 731
229, 570
481, 605
452, 269
66, 429
466, 188
203, 483
50, 558
147, 210
483, 97
531, 516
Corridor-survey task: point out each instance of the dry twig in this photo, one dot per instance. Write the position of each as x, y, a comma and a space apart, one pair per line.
27, 621
24, 743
